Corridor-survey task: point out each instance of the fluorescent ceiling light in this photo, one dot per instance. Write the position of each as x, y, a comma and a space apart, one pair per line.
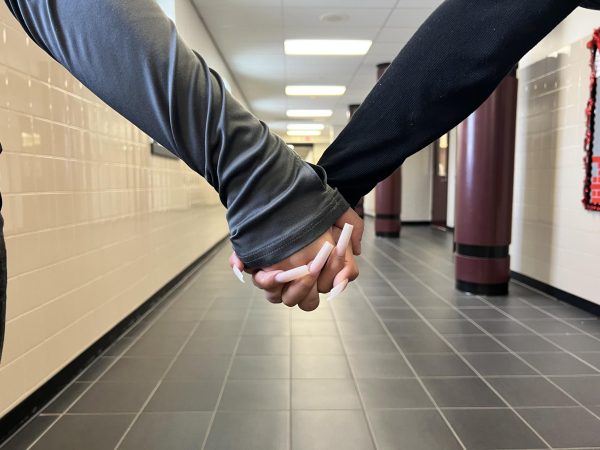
309, 113
315, 90
326, 47
306, 126
304, 133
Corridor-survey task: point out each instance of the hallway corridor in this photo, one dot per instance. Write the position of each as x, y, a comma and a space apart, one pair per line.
400, 361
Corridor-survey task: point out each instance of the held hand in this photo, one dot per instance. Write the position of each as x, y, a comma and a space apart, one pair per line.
316, 275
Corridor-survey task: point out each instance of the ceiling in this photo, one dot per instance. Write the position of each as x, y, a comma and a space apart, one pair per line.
250, 35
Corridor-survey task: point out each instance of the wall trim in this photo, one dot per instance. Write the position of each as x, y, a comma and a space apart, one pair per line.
582, 303
416, 223
30, 406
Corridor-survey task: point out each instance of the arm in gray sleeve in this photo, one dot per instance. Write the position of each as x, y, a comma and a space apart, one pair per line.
130, 55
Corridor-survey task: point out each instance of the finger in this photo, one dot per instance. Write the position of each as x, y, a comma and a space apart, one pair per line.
354, 219
311, 301
266, 279
344, 240
292, 274
336, 262
321, 259
298, 290
337, 290
237, 266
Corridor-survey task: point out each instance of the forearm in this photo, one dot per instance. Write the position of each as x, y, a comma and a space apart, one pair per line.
130, 55
449, 67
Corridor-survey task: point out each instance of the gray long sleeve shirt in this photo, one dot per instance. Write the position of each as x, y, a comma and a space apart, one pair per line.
129, 54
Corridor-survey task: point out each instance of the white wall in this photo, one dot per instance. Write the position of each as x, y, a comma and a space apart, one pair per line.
95, 224
452, 152
416, 188
555, 240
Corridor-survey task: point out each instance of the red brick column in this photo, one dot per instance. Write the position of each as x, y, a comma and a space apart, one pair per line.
388, 196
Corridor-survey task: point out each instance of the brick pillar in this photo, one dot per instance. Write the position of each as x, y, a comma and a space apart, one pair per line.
484, 193
388, 196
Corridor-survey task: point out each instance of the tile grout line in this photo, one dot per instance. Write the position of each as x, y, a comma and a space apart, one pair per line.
410, 366
227, 373
510, 351
452, 347
182, 282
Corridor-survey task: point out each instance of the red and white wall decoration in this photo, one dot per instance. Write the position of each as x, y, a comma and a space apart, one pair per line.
591, 190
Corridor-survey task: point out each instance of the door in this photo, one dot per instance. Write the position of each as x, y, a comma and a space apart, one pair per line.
439, 203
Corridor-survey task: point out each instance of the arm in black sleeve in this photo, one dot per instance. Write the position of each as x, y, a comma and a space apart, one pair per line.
130, 55
450, 66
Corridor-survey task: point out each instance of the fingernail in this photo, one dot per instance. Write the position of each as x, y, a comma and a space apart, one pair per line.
337, 290
344, 239
293, 274
238, 273
317, 264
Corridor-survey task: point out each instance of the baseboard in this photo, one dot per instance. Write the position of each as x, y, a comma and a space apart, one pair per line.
415, 223
14, 419
564, 296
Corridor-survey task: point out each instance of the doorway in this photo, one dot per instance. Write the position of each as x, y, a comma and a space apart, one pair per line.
439, 201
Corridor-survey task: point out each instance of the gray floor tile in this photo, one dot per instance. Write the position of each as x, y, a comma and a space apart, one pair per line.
23, 438
65, 399
114, 397
592, 358
499, 364
308, 366
444, 365
264, 345
398, 328
459, 326
530, 391
170, 328
267, 328
357, 345
475, 344
119, 347
90, 432
260, 367
577, 342
317, 345
364, 327
564, 427
136, 369
326, 430
490, 429
255, 395
200, 367
176, 396
529, 343
96, 369
500, 327
404, 313
256, 430
444, 313
462, 393
156, 346
217, 345
314, 328
380, 366
558, 364
159, 431
411, 430
420, 344
484, 314
324, 394
585, 389
393, 300
212, 328
549, 326
393, 393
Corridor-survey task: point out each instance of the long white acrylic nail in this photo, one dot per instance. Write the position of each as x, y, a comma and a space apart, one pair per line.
238, 273
344, 239
337, 290
317, 264
292, 274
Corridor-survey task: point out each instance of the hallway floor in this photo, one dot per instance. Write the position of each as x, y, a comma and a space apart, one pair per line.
400, 361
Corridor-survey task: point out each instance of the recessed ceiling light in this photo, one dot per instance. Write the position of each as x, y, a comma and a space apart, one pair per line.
315, 90
306, 126
326, 47
304, 133
309, 113
334, 18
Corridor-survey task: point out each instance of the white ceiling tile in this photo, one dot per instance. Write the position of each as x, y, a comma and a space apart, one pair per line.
431, 4
356, 17
396, 35
340, 3
324, 31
